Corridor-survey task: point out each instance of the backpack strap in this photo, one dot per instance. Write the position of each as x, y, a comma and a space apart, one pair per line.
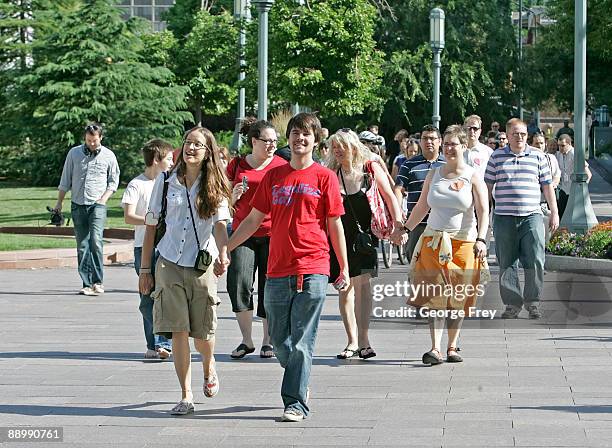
164, 207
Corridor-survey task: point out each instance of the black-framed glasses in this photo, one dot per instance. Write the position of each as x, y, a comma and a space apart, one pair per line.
267, 142
472, 128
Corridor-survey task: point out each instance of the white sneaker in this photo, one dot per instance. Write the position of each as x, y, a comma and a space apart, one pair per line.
292, 415
98, 288
87, 291
151, 354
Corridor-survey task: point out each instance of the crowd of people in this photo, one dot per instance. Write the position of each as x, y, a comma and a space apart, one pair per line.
292, 220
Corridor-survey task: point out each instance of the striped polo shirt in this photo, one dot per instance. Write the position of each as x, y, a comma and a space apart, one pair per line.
517, 179
412, 175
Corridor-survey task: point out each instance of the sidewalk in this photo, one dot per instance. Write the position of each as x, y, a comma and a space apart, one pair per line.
76, 362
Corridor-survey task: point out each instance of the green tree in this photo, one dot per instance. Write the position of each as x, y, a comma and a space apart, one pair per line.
477, 60
322, 55
550, 63
89, 68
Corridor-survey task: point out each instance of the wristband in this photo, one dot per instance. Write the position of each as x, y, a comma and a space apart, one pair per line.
145, 270
481, 240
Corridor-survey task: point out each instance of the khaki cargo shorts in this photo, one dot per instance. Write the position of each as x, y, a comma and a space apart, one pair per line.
184, 300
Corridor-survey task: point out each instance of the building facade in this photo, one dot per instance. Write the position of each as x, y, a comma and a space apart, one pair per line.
151, 10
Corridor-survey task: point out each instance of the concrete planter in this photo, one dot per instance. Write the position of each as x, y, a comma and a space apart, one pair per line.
587, 266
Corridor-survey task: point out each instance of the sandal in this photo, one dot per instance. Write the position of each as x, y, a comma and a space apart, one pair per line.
241, 351
211, 385
432, 357
267, 351
455, 357
366, 353
183, 407
348, 353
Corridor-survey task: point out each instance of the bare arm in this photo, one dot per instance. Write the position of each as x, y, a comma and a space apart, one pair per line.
336, 235
130, 216
61, 194
549, 195
220, 234
588, 172
421, 208
105, 197
481, 205
247, 228
387, 194
145, 279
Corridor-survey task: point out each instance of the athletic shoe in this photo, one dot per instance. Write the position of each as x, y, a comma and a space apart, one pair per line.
87, 291
98, 288
151, 354
292, 415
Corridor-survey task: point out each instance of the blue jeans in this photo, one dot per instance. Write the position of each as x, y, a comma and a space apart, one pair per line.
89, 221
293, 319
519, 238
146, 308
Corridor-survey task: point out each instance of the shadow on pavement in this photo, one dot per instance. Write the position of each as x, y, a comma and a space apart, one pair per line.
135, 411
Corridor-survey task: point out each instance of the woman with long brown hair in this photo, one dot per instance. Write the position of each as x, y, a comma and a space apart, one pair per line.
196, 195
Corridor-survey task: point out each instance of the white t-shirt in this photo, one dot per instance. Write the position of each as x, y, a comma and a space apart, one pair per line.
138, 192
478, 157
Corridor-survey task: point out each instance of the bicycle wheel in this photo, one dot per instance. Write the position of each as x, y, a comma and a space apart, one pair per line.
387, 252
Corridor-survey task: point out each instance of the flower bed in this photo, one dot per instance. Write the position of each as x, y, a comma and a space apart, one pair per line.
596, 243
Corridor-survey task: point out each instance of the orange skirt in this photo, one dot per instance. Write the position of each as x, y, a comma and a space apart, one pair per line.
453, 285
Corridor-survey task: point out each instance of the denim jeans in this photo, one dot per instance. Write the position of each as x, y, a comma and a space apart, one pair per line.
293, 319
519, 238
146, 308
89, 221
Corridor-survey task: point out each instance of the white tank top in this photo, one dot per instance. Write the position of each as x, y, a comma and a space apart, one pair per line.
452, 203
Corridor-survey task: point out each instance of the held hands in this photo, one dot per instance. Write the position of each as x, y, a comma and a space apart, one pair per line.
480, 250
221, 264
399, 236
237, 192
145, 283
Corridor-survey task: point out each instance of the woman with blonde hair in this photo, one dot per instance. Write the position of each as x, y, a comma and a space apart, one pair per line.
193, 203
351, 161
449, 260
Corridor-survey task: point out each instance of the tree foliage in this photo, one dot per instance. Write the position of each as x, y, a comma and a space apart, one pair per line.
549, 65
323, 55
476, 62
88, 68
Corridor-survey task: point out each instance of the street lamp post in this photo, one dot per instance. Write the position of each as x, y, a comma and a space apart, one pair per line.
241, 12
263, 7
579, 215
436, 40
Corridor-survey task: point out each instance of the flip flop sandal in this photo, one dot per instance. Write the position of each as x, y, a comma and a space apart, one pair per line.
348, 353
242, 350
211, 385
183, 407
265, 349
366, 353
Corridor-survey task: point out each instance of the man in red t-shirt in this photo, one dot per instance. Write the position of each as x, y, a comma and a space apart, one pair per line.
304, 203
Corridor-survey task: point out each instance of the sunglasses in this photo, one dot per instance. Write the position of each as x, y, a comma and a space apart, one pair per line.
472, 128
93, 128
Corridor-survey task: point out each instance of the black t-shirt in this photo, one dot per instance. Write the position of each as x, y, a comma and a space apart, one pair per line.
284, 152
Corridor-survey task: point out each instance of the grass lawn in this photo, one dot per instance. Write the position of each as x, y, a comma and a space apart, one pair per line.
23, 242
26, 207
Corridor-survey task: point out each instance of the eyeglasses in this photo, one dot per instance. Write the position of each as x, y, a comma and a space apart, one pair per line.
451, 145
345, 130
503, 138
196, 145
520, 135
430, 138
267, 142
472, 128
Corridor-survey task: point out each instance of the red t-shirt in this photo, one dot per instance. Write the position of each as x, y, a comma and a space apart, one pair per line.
299, 203
236, 170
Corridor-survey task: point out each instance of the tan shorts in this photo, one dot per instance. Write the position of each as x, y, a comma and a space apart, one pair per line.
184, 300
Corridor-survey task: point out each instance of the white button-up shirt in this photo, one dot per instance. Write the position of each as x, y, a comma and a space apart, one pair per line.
179, 242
